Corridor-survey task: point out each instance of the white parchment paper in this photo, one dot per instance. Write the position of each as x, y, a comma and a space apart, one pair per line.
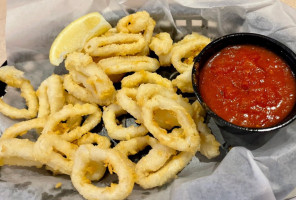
265, 173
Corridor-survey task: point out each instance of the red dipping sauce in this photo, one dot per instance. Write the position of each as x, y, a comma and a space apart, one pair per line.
248, 86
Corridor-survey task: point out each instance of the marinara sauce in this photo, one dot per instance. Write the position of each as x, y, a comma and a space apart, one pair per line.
248, 85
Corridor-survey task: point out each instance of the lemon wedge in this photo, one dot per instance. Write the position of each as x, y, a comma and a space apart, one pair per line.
75, 35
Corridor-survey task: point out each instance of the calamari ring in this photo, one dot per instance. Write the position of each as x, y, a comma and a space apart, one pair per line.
23, 127
187, 141
70, 110
95, 171
91, 76
118, 44
134, 23
183, 81
161, 43
78, 91
137, 144
73, 121
51, 95
15, 78
164, 48
126, 98
188, 51
93, 138
152, 174
70, 99
99, 85
209, 146
19, 152
119, 132
159, 166
115, 162
147, 91
136, 79
44, 107
120, 65
132, 147
58, 154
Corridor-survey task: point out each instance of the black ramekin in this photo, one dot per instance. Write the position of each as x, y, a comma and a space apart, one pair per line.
234, 135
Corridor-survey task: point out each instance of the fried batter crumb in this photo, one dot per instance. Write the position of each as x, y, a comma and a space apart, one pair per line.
58, 185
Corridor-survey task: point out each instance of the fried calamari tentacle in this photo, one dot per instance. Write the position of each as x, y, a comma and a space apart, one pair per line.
119, 132
120, 65
15, 78
184, 81
139, 22
209, 146
165, 60
134, 23
118, 44
115, 162
162, 44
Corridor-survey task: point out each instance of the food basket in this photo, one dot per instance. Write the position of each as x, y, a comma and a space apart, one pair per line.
264, 173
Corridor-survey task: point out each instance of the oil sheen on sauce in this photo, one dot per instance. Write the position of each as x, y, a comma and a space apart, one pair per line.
248, 86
